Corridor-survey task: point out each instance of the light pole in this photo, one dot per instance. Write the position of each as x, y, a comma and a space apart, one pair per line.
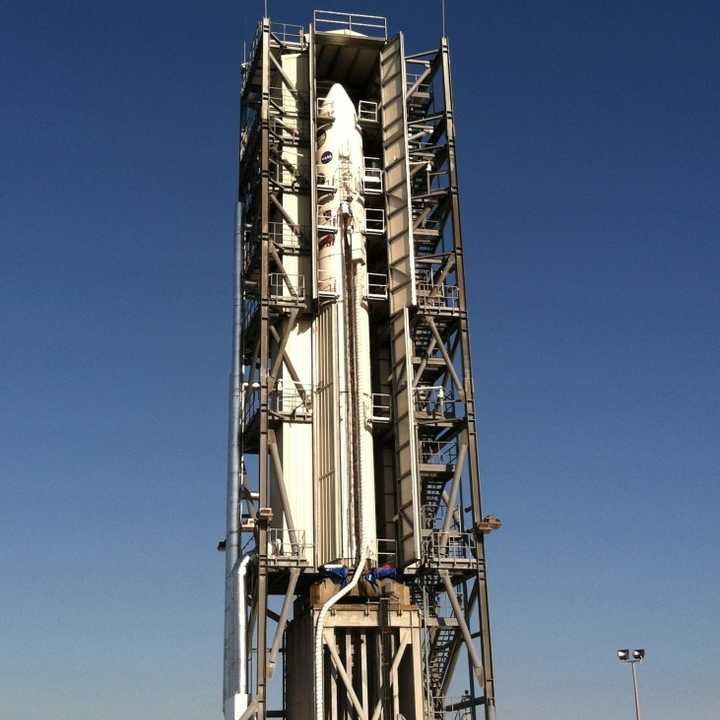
633, 657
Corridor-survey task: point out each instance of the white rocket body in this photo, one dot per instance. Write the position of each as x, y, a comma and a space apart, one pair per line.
342, 282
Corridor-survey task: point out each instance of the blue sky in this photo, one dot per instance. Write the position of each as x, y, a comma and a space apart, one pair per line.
589, 158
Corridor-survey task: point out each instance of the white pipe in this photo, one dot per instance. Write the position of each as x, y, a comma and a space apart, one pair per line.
236, 702
320, 627
242, 629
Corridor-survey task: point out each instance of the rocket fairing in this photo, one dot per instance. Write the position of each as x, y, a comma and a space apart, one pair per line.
342, 282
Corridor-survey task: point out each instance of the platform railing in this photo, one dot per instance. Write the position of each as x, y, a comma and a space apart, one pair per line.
380, 407
288, 33
373, 26
438, 452
368, 111
412, 78
440, 296
377, 286
324, 109
326, 283
326, 220
287, 287
387, 551
374, 221
372, 181
451, 547
324, 179
291, 399
433, 516
284, 236
285, 545
434, 401
447, 708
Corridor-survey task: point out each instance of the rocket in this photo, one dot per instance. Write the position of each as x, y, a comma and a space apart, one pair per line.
343, 331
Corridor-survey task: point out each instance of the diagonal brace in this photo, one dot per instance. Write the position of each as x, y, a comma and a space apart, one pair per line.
282, 620
446, 357
290, 85
329, 636
404, 641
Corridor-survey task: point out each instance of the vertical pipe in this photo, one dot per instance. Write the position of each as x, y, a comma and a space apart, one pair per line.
242, 629
232, 530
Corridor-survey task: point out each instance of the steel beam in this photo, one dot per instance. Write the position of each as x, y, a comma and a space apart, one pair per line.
277, 464
282, 620
329, 636
448, 362
462, 624
404, 641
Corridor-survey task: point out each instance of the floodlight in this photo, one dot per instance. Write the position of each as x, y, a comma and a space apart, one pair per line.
623, 654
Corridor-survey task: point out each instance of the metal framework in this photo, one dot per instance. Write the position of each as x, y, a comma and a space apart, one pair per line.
402, 646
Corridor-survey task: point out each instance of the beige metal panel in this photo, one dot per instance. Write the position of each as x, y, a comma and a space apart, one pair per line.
408, 500
410, 679
401, 253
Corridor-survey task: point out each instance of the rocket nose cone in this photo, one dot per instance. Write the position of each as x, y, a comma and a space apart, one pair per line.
341, 102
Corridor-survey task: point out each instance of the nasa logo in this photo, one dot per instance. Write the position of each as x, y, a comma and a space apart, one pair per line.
326, 157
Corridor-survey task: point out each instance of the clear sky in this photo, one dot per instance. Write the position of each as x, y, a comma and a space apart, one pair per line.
589, 151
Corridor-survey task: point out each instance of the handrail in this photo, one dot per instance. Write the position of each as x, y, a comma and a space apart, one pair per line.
291, 398
376, 25
368, 110
287, 286
282, 234
381, 407
438, 452
374, 220
288, 33
283, 543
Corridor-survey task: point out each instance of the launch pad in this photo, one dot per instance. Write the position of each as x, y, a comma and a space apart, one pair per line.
355, 546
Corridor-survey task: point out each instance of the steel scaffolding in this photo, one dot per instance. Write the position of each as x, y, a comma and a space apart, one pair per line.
395, 647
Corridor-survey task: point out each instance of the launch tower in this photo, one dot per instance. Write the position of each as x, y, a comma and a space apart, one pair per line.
355, 546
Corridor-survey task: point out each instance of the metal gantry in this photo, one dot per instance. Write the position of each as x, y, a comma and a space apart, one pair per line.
416, 643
